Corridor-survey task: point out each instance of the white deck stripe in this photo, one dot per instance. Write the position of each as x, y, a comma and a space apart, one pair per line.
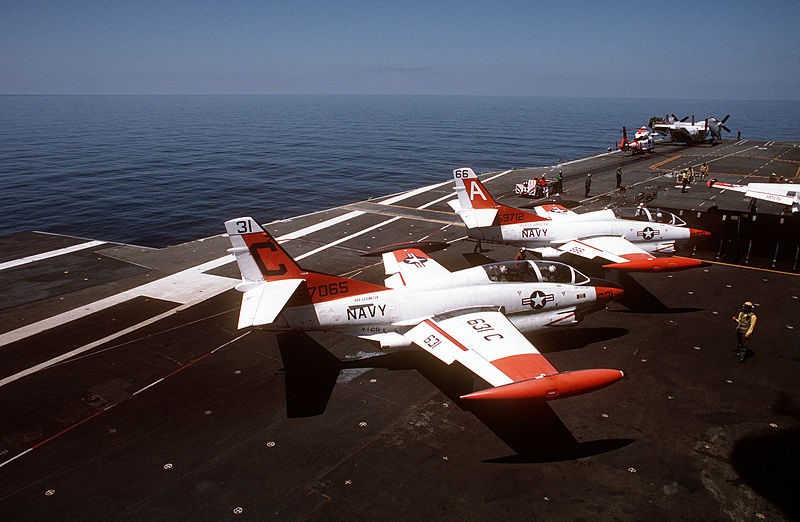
156, 287
382, 223
47, 255
412, 193
501, 174
319, 226
435, 201
12, 459
342, 240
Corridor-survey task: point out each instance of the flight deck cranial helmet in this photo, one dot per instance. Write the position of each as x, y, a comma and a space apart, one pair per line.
747, 307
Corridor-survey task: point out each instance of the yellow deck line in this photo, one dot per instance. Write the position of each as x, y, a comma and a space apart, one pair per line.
743, 266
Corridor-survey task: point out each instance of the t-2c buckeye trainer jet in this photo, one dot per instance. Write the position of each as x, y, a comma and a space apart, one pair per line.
553, 231
474, 316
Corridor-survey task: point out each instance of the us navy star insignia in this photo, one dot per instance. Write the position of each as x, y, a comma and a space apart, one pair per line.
648, 233
413, 259
538, 299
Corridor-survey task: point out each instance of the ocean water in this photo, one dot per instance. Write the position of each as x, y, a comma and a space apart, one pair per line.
160, 170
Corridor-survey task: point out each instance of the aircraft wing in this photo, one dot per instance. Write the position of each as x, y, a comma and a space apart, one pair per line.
612, 248
486, 343
728, 186
624, 255
409, 267
663, 128
769, 196
553, 211
757, 192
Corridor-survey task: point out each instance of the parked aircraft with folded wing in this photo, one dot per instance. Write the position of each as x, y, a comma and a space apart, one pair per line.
553, 231
690, 132
474, 316
781, 193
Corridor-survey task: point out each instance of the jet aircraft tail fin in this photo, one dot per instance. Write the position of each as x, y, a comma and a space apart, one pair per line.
471, 192
477, 207
271, 277
258, 254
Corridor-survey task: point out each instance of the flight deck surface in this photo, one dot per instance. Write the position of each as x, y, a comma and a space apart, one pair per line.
128, 393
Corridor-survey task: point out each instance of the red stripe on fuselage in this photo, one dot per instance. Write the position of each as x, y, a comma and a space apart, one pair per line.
509, 216
551, 323
321, 288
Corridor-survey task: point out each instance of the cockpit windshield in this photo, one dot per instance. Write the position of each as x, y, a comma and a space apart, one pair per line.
662, 216
655, 215
533, 272
633, 213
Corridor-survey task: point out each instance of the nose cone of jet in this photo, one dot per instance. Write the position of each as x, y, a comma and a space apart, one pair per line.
606, 290
696, 232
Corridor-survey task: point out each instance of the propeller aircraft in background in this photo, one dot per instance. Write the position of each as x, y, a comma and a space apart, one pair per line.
691, 132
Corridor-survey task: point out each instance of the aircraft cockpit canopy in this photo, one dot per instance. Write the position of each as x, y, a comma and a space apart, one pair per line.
654, 215
534, 272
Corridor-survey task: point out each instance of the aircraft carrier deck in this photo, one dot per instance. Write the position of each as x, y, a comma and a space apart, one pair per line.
128, 393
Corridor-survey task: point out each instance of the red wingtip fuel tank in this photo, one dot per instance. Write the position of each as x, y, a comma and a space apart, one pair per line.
556, 386
659, 264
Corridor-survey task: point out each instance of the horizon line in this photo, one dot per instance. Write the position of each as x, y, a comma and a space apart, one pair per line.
407, 94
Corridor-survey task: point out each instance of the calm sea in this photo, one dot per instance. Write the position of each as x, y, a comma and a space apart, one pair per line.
159, 170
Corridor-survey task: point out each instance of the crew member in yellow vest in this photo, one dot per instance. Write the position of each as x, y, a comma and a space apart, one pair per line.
745, 323
684, 180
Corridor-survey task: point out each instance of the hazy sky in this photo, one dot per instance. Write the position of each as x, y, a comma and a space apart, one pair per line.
660, 49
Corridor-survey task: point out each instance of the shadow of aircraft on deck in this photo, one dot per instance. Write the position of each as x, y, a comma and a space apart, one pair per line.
638, 299
573, 338
529, 427
768, 459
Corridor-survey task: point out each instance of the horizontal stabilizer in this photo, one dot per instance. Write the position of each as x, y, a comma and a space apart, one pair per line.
455, 205
261, 304
556, 386
479, 218
658, 264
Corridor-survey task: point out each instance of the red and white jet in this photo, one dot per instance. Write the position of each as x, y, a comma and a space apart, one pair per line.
474, 316
553, 231
642, 142
781, 193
